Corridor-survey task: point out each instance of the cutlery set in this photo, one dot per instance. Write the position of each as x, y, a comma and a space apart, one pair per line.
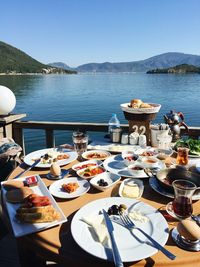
128, 223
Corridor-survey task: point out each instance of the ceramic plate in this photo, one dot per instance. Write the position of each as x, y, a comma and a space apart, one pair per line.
29, 159
21, 229
57, 191
87, 163
161, 190
96, 154
130, 247
115, 164
154, 109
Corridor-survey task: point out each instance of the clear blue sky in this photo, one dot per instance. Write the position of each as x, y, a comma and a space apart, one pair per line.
83, 31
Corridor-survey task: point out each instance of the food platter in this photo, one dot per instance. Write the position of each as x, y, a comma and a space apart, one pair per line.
154, 109
21, 229
86, 164
96, 154
31, 157
57, 191
156, 226
115, 164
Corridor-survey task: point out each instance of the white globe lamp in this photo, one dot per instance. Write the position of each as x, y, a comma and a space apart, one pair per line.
7, 100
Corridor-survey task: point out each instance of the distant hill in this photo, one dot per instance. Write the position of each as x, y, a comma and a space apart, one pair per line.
179, 69
165, 60
59, 65
13, 60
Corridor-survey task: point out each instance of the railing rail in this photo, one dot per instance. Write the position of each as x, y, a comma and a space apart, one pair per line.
49, 128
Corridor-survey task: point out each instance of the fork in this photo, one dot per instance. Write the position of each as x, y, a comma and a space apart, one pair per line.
128, 223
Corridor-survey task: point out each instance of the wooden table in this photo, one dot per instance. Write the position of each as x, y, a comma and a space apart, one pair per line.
57, 244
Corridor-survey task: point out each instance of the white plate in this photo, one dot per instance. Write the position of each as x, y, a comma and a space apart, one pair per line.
57, 191
77, 166
130, 248
86, 154
154, 109
21, 229
130, 181
115, 164
161, 190
28, 159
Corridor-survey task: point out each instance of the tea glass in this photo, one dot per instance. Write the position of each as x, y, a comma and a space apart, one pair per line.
181, 206
80, 141
182, 155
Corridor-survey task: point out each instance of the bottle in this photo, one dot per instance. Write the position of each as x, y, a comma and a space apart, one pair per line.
113, 123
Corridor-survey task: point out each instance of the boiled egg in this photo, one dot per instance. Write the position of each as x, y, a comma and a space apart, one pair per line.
55, 169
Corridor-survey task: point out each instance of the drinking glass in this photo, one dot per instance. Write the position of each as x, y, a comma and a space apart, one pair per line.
164, 141
182, 203
182, 155
80, 141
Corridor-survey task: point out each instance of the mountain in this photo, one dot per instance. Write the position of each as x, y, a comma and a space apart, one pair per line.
13, 60
179, 69
59, 65
165, 60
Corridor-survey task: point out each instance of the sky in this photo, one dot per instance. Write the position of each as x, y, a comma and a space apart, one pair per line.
83, 31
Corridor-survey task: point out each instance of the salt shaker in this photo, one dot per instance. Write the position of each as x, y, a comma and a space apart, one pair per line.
142, 140
133, 138
124, 139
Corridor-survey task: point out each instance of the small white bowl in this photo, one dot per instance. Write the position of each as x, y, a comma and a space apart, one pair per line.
129, 157
136, 169
150, 162
131, 188
108, 177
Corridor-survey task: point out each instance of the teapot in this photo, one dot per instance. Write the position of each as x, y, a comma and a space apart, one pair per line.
175, 120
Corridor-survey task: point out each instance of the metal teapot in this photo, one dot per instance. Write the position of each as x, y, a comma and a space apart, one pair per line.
175, 121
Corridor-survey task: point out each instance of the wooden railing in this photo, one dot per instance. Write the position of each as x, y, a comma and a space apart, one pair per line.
50, 127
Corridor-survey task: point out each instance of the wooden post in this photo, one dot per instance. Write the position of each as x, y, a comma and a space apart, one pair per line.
6, 124
140, 123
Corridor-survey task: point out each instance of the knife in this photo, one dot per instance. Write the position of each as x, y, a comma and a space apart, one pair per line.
28, 169
116, 256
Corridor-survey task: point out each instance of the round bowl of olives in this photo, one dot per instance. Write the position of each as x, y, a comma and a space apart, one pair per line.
104, 180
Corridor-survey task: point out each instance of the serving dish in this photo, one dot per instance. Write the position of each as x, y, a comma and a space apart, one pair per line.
154, 109
153, 182
134, 183
21, 229
115, 164
86, 164
90, 172
96, 154
31, 157
110, 178
167, 176
57, 191
156, 226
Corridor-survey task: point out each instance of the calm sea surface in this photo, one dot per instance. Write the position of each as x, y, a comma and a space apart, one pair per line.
93, 97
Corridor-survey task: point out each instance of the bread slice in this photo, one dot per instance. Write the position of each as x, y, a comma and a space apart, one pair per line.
18, 195
13, 184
